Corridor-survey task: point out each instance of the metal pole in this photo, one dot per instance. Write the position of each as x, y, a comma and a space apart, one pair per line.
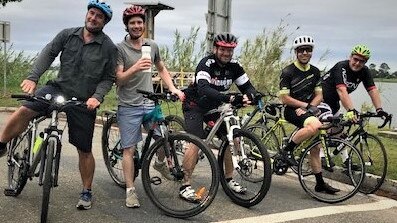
5, 68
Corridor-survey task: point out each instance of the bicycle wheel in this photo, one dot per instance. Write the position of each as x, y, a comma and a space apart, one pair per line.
164, 193
346, 179
375, 159
253, 171
112, 152
175, 123
267, 137
48, 179
19, 149
269, 121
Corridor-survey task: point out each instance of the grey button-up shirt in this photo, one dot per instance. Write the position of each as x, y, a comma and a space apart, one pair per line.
86, 70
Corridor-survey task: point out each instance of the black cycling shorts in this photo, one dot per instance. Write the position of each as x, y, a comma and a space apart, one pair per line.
81, 121
194, 119
291, 116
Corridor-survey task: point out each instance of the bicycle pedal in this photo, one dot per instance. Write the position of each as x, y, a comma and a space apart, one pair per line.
10, 192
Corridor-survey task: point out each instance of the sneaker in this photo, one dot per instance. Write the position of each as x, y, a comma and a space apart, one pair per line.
188, 194
236, 187
163, 169
325, 188
85, 200
354, 167
289, 158
132, 199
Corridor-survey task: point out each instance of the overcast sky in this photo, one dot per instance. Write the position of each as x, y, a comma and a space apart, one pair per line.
336, 25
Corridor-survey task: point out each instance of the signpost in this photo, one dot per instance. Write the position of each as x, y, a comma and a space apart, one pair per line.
5, 38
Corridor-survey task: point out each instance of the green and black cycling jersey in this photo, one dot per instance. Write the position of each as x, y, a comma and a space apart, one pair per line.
211, 80
342, 75
300, 83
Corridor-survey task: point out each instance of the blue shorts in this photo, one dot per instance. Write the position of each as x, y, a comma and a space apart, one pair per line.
130, 120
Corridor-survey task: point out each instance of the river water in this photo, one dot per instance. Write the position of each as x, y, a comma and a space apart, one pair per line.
388, 93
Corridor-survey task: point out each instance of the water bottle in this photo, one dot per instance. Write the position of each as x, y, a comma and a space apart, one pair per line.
146, 53
38, 142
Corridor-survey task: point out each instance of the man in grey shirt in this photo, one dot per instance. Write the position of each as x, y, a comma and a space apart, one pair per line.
87, 72
130, 76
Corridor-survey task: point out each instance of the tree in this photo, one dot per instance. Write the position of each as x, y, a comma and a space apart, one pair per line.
183, 56
4, 2
372, 69
384, 70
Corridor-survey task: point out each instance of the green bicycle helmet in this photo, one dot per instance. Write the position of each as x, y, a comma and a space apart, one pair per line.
361, 50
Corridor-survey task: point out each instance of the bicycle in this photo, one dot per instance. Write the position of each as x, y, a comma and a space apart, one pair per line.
347, 179
25, 156
372, 150
163, 192
250, 159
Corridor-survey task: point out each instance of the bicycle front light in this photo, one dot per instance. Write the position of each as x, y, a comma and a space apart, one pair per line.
59, 99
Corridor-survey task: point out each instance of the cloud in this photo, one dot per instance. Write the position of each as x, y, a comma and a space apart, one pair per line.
336, 25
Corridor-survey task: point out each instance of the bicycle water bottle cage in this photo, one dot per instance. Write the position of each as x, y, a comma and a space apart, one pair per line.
155, 115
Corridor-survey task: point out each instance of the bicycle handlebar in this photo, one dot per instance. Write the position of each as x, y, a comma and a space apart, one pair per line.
158, 96
388, 118
57, 103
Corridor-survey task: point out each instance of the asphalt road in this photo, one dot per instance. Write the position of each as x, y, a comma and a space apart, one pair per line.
285, 202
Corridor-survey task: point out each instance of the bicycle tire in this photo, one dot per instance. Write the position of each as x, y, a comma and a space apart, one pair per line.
256, 186
269, 121
164, 193
267, 137
347, 180
18, 166
48, 179
175, 123
111, 151
375, 159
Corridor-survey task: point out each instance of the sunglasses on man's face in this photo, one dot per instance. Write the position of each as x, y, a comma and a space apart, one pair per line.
361, 61
303, 49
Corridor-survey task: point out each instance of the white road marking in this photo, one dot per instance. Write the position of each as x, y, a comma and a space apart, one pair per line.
382, 203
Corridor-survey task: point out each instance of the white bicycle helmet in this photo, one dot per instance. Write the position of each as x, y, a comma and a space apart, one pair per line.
303, 41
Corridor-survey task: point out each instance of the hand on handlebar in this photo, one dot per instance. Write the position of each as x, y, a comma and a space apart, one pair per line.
92, 103
381, 113
28, 86
240, 100
351, 115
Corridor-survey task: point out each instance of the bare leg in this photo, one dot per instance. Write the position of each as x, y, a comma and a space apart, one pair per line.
189, 163
87, 168
17, 123
128, 166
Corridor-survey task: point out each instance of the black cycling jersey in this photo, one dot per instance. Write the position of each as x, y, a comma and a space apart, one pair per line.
342, 75
299, 84
211, 79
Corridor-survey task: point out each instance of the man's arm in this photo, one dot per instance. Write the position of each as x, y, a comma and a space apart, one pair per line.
123, 76
345, 97
47, 56
166, 77
292, 102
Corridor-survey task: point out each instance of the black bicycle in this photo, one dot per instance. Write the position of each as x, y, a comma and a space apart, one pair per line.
163, 191
372, 150
28, 158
